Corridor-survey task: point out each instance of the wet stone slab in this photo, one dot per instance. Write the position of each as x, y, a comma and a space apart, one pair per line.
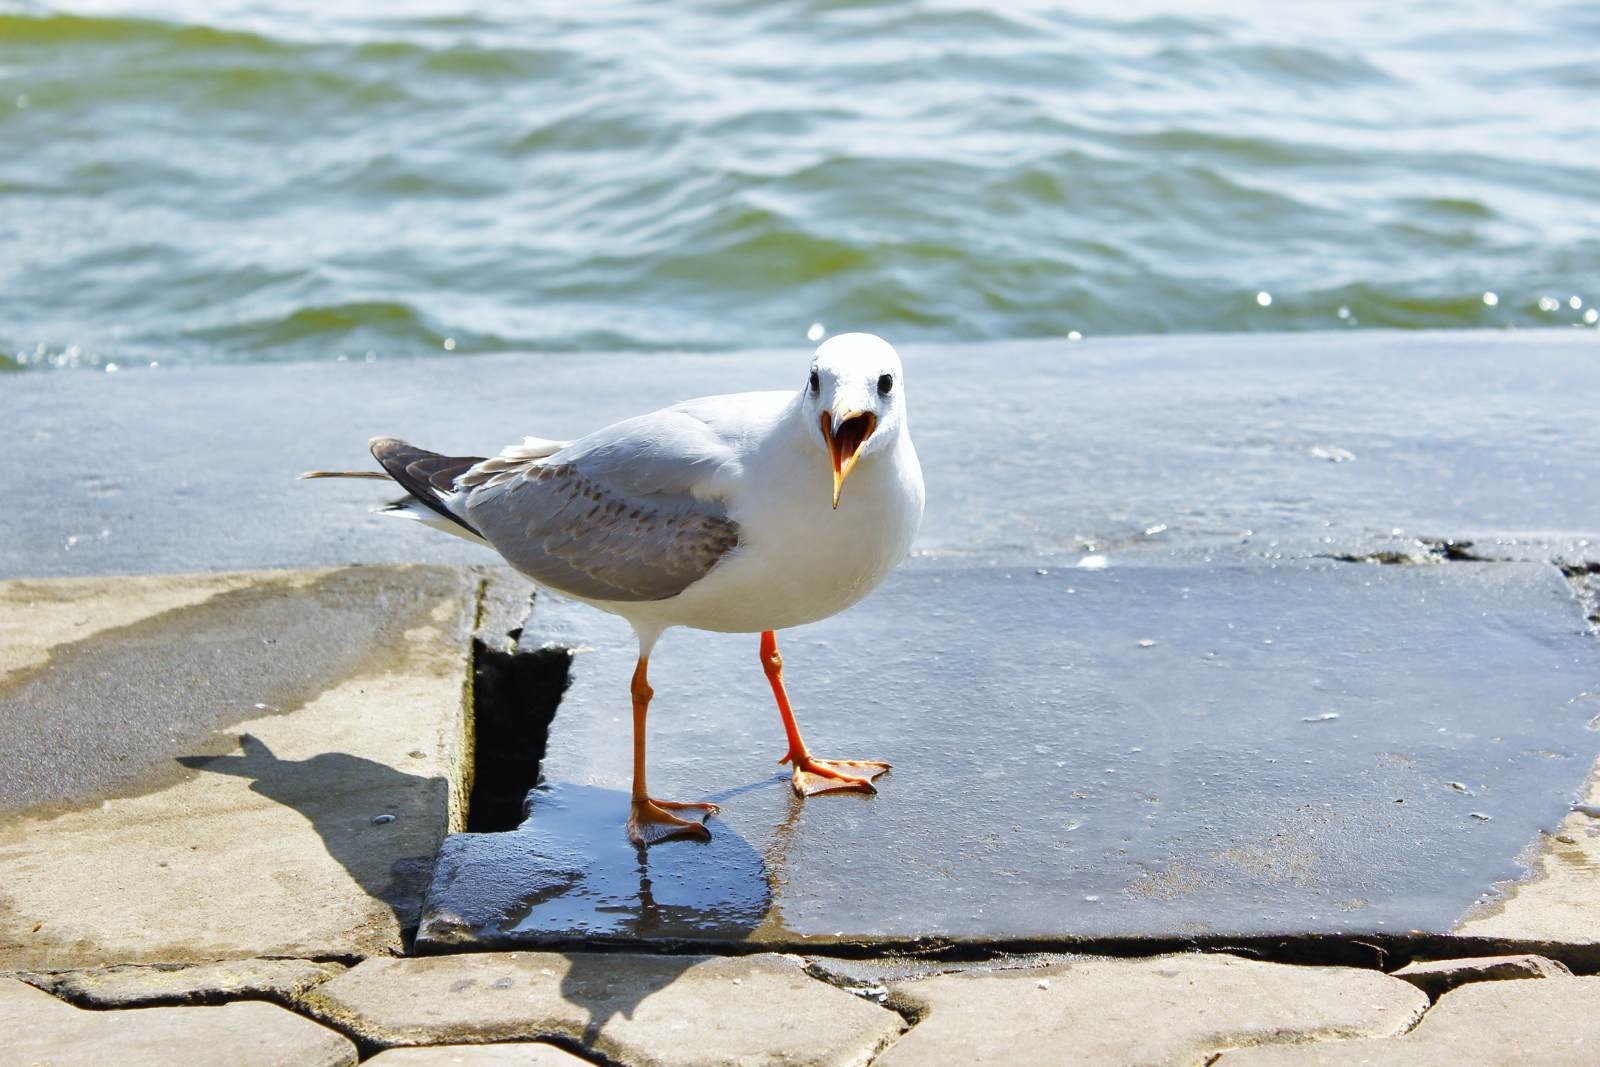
1265, 442
1154, 751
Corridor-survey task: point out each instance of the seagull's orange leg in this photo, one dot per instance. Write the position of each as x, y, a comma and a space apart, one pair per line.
650, 820
812, 775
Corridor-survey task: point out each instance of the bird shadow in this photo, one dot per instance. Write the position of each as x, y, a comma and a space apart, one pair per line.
323, 789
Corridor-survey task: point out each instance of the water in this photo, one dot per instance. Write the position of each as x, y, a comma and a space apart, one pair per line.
244, 180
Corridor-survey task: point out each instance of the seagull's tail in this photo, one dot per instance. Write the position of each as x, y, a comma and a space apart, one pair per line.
429, 479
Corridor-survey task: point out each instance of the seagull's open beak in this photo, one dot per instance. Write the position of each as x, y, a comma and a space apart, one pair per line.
844, 443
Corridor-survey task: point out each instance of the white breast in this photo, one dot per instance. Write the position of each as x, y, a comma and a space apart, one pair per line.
799, 560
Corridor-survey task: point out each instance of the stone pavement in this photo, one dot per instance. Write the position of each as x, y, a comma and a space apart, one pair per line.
552, 1008
225, 766
1194, 654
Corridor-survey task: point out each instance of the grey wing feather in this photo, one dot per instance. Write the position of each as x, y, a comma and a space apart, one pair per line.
611, 516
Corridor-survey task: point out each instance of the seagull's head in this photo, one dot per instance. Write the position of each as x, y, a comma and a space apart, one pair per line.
855, 399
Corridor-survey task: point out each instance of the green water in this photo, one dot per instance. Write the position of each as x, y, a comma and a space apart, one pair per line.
242, 181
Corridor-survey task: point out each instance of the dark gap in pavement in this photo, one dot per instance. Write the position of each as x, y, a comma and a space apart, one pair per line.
1383, 952
1427, 550
514, 699
58, 985
1584, 577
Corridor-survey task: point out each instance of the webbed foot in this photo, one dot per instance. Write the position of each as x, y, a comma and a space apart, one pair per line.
651, 821
813, 776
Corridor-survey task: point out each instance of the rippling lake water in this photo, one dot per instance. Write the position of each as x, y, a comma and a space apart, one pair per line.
260, 180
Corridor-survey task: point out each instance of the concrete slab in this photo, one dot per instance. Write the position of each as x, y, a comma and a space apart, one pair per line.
42, 1031
1263, 444
1554, 1024
510, 1054
262, 766
1145, 752
1166, 1010
136, 985
1438, 977
626, 1008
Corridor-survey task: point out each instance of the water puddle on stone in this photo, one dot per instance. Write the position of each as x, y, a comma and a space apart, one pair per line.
570, 869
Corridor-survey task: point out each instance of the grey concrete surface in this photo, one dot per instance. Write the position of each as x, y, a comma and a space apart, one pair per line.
1438, 977
1165, 1010
1554, 1023
299, 803
1149, 751
1040, 450
37, 1030
139, 985
632, 1009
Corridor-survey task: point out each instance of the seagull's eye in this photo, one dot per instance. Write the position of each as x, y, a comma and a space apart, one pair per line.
815, 382
885, 384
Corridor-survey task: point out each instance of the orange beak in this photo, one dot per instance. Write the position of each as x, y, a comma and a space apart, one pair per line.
844, 443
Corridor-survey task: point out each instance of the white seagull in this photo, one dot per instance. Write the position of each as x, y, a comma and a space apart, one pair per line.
725, 513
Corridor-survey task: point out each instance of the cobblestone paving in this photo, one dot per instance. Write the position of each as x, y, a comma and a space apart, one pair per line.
551, 1009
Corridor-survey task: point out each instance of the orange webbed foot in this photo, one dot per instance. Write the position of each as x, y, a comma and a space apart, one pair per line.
651, 821
813, 776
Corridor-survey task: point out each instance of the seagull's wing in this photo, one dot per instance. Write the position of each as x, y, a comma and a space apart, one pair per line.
622, 514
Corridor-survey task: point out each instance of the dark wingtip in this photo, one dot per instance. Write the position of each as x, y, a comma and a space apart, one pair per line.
423, 474
381, 445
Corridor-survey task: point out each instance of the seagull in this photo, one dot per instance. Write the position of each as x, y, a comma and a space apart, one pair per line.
726, 513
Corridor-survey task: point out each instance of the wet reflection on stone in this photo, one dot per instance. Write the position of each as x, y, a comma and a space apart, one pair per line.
570, 871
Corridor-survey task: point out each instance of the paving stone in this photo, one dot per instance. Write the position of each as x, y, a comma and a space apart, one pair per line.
260, 765
40, 1031
1165, 1010
509, 1054
1150, 751
1555, 1023
134, 985
1437, 977
632, 1009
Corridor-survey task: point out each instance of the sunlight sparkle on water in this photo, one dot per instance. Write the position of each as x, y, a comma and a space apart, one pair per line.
815, 331
1264, 298
1491, 299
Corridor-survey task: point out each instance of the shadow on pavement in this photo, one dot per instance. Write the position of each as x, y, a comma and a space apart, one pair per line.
341, 796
